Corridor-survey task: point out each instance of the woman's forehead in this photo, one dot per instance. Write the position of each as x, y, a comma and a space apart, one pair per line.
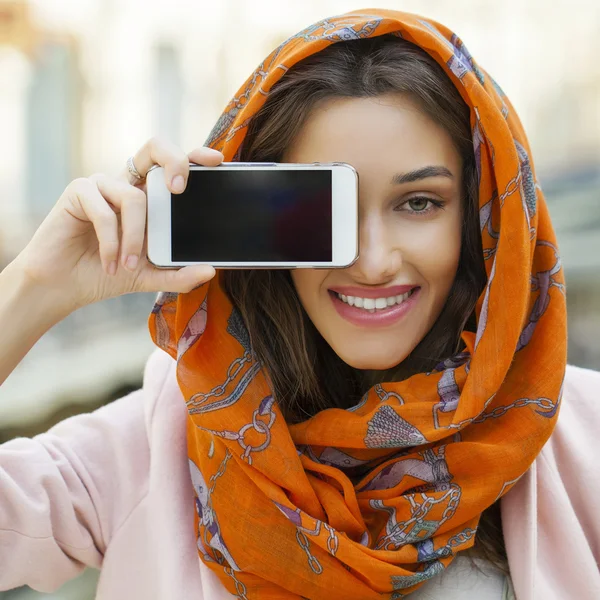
382, 135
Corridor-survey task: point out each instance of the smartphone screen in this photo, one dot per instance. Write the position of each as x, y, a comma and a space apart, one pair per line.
253, 215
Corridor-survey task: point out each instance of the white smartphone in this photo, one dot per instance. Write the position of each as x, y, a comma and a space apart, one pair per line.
272, 215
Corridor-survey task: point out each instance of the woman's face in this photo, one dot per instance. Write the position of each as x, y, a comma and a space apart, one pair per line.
374, 313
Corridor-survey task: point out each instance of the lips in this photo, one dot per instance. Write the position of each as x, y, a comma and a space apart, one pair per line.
382, 307
383, 292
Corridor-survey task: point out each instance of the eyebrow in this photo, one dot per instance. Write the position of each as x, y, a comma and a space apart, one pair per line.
422, 173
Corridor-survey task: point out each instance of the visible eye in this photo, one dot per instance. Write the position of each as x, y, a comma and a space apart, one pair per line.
420, 205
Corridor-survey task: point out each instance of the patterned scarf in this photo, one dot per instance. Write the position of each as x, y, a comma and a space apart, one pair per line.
278, 514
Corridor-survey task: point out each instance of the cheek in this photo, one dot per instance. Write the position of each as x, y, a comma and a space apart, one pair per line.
308, 284
435, 251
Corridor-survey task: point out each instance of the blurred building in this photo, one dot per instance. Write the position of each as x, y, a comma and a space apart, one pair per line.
84, 82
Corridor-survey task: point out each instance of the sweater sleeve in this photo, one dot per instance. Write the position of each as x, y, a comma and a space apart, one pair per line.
63, 494
571, 460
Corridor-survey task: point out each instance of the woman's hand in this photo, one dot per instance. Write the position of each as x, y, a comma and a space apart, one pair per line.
92, 245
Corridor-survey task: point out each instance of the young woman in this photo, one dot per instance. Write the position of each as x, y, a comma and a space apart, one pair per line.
434, 445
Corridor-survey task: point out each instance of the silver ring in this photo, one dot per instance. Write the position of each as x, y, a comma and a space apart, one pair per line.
131, 168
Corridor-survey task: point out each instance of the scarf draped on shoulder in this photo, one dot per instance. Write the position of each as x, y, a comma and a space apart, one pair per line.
277, 514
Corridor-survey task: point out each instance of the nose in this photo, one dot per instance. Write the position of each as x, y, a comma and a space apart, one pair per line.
379, 257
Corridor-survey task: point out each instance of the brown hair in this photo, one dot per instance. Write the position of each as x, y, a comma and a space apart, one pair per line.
305, 374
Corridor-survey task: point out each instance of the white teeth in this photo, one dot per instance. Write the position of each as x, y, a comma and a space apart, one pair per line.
369, 303
372, 304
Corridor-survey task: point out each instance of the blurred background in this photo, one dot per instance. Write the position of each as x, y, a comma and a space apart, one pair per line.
83, 83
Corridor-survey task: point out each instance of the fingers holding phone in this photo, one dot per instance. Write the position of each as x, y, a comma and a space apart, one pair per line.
175, 162
93, 243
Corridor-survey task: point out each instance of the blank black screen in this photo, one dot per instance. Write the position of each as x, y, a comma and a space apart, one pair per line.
253, 215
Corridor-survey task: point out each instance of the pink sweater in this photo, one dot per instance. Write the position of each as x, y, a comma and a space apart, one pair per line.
112, 490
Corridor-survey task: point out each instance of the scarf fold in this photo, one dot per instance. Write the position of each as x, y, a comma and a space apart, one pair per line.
280, 512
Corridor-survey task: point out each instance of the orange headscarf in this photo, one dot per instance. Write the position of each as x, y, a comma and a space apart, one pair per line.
277, 514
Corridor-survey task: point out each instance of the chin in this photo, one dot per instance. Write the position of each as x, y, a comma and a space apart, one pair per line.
373, 361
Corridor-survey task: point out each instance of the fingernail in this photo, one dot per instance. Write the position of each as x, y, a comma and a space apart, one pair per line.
178, 184
131, 262
112, 268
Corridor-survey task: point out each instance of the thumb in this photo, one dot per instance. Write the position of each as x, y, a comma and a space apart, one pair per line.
175, 280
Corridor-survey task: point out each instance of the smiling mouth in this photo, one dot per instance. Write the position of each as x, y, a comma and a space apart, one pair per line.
373, 305
382, 311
